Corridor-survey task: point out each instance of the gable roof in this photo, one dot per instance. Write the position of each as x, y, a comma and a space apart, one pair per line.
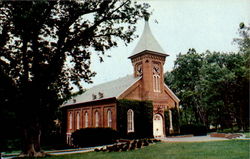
147, 42
108, 90
171, 93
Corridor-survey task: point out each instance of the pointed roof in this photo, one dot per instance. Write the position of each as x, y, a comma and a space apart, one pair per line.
147, 42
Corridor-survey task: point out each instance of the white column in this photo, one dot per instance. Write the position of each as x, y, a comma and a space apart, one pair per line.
170, 122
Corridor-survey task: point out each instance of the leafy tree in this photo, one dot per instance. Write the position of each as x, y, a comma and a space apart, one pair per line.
242, 71
244, 40
214, 86
183, 81
45, 50
226, 88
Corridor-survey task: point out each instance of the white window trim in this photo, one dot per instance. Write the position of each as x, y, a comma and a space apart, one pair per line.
130, 120
86, 119
156, 83
109, 118
70, 121
96, 119
77, 120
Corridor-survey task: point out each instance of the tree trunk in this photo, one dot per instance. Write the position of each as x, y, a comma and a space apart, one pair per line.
31, 143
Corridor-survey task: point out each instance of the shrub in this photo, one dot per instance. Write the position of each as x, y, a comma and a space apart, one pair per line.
145, 142
131, 136
94, 136
196, 130
54, 140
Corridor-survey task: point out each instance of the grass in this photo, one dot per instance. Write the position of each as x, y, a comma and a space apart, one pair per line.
233, 149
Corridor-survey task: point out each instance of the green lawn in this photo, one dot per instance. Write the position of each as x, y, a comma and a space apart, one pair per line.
233, 149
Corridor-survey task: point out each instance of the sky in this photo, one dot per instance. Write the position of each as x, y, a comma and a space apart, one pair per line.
182, 24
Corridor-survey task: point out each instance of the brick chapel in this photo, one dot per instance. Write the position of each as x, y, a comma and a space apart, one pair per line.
97, 107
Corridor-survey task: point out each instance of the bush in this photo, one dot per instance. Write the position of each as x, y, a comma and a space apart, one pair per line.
94, 136
196, 130
131, 136
54, 141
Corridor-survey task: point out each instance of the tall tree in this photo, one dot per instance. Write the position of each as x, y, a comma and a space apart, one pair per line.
243, 76
185, 77
45, 50
214, 86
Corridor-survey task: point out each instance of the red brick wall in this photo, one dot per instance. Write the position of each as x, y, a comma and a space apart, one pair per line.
91, 109
144, 90
161, 100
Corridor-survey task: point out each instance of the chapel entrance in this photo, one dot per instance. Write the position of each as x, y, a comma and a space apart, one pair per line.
158, 125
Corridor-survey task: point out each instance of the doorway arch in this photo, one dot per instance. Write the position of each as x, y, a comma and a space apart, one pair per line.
158, 125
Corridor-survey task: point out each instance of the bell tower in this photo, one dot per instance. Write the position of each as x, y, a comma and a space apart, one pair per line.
148, 59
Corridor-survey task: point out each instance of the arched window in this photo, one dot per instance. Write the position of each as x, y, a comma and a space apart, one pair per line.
78, 120
130, 117
96, 119
156, 83
109, 118
86, 119
70, 120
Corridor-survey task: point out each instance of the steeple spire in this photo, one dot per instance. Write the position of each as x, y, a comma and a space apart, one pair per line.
147, 42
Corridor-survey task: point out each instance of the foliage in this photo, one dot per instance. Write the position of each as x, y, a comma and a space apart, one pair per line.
217, 150
94, 136
244, 40
186, 70
45, 51
175, 120
167, 125
214, 86
54, 137
143, 118
8, 121
196, 130
131, 135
